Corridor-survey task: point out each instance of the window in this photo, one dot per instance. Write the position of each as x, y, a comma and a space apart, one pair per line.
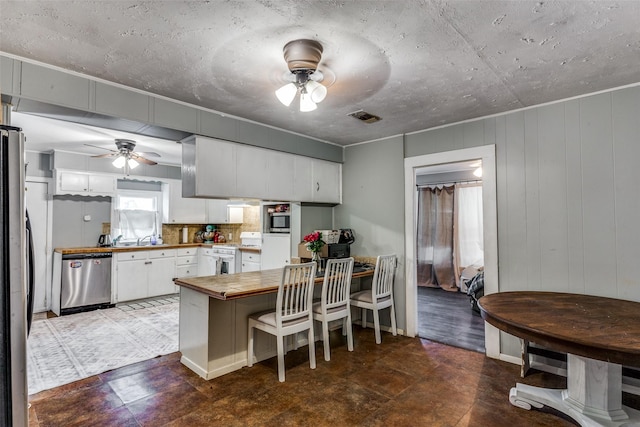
136, 214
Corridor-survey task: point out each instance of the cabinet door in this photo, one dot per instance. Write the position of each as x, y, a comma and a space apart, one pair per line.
215, 168
207, 265
251, 172
184, 210
250, 261
302, 186
236, 215
327, 180
102, 184
71, 181
280, 177
276, 251
161, 273
217, 212
131, 280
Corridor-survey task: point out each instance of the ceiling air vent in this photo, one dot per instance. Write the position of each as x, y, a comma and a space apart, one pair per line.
364, 116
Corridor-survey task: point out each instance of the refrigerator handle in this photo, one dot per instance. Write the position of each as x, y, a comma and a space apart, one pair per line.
30, 274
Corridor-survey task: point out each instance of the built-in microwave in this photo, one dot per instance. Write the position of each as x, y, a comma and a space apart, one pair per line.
280, 222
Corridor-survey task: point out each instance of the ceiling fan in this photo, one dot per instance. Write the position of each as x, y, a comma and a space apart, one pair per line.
302, 57
125, 157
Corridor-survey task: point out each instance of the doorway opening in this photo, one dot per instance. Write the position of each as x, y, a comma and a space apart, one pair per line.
450, 254
413, 168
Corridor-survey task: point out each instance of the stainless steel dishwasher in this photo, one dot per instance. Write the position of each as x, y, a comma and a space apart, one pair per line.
86, 282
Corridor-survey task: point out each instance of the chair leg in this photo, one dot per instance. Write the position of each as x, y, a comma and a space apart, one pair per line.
349, 332
280, 347
325, 340
364, 318
376, 325
250, 346
394, 330
312, 350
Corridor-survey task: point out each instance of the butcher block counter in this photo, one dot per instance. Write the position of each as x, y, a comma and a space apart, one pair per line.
213, 319
242, 285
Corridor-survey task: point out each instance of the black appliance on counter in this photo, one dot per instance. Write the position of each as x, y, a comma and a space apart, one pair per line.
338, 250
342, 249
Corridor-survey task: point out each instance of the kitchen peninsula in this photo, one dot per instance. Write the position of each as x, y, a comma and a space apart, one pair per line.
213, 318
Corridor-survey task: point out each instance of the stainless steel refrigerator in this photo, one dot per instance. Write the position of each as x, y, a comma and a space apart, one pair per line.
16, 268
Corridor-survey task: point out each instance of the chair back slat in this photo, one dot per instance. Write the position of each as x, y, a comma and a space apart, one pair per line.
337, 283
383, 276
295, 293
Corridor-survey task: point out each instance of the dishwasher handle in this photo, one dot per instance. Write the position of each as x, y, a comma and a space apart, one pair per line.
92, 255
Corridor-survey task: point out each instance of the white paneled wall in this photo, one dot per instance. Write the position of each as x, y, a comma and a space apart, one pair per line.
568, 192
568, 183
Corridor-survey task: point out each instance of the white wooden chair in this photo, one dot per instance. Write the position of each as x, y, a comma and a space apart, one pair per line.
380, 295
334, 302
292, 313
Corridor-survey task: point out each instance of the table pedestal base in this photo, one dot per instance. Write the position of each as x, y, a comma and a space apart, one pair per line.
593, 396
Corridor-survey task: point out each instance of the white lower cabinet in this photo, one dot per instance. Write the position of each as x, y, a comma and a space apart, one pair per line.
162, 271
144, 274
250, 261
207, 262
187, 262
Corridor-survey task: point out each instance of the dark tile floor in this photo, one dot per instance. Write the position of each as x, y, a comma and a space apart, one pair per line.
401, 382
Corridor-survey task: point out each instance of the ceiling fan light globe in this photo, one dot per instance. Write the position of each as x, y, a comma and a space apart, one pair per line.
306, 104
119, 162
286, 93
132, 163
317, 91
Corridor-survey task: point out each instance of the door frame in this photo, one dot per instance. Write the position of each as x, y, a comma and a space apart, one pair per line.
48, 237
490, 225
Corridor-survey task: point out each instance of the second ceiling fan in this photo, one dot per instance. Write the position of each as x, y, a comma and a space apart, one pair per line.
125, 157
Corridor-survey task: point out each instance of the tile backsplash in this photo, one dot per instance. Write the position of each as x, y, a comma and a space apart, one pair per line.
172, 233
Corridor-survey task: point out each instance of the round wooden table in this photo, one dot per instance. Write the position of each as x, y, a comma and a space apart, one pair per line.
598, 334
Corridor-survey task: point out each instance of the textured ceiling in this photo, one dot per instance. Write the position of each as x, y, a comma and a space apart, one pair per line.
416, 64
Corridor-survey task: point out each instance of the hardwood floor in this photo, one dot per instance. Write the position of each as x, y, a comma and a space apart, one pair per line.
446, 317
401, 382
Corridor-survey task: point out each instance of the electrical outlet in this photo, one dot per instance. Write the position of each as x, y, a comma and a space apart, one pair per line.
230, 236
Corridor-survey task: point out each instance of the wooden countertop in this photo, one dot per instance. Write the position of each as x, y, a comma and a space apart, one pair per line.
242, 285
250, 249
595, 327
86, 250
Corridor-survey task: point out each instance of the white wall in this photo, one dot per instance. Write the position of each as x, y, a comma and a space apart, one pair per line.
568, 193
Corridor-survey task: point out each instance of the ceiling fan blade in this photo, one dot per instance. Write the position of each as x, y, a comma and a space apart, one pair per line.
100, 156
142, 159
147, 154
102, 148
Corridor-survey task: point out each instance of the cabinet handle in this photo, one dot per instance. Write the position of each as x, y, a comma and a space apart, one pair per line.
317, 186
148, 262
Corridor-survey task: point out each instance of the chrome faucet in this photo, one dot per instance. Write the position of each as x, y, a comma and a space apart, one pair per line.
141, 240
116, 240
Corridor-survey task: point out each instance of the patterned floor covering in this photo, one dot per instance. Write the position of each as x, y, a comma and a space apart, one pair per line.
69, 348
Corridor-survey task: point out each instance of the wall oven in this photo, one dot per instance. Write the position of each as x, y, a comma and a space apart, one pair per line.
280, 222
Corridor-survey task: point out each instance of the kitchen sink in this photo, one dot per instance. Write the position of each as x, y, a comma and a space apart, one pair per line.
135, 245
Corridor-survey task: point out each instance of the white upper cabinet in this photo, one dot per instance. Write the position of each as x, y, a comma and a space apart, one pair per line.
208, 168
84, 183
218, 212
327, 177
251, 171
280, 175
220, 169
302, 179
181, 210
